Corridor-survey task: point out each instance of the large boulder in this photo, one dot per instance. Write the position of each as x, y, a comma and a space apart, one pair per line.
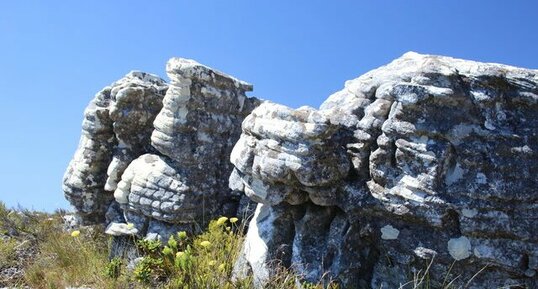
153, 158
427, 163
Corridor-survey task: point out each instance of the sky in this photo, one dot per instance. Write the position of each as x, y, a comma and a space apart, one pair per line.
55, 55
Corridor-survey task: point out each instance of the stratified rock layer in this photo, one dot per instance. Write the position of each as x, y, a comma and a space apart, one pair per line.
187, 182
427, 159
289, 155
153, 158
116, 129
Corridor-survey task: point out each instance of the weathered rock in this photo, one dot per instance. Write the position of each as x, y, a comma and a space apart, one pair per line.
266, 247
71, 222
186, 181
425, 158
288, 155
116, 129
153, 158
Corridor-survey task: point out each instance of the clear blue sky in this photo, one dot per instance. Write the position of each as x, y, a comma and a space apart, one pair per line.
55, 55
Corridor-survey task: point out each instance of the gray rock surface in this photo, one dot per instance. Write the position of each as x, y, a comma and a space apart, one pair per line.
153, 157
71, 222
288, 155
116, 129
426, 158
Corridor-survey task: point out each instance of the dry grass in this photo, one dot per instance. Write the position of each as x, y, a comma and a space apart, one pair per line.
57, 259
66, 261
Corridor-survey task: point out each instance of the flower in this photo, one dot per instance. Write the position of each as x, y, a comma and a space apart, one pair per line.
205, 243
222, 220
233, 220
222, 267
75, 234
179, 254
212, 263
130, 226
182, 235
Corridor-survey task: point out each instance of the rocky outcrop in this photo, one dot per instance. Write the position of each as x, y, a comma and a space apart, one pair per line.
427, 160
116, 129
153, 157
428, 163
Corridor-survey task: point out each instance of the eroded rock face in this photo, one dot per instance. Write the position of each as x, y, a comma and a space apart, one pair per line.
153, 158
425, 158
288, 155
116, 129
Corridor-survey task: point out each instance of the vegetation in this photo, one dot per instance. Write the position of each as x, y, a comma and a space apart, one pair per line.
45, 255
80, 258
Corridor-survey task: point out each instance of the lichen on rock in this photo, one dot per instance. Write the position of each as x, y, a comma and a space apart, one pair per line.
116, 129
426, 157
155, 155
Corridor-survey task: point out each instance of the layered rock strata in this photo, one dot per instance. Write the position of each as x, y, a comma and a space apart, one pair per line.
116, 129
427, 160
426, 163
153, 158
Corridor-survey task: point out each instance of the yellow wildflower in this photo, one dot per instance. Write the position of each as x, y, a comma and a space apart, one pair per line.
205, 243
222, 267
75, 234
233, 220
222, 220
179, 254
212, 263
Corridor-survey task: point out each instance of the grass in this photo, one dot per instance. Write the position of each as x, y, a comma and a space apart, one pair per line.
63, 259
46, 256
7, 252
49, 257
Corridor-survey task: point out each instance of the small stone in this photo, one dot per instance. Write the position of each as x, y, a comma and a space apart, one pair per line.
118, 229
425, 253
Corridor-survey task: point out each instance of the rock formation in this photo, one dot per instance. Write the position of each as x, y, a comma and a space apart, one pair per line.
155, 155
427, 160
428, 163
116, 129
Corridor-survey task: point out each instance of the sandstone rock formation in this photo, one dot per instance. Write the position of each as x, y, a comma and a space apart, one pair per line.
116, 129
426, 160
155, 155
426, 163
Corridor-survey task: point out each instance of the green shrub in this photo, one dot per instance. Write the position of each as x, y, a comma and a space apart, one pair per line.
149, 247
113, 268
79, 259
